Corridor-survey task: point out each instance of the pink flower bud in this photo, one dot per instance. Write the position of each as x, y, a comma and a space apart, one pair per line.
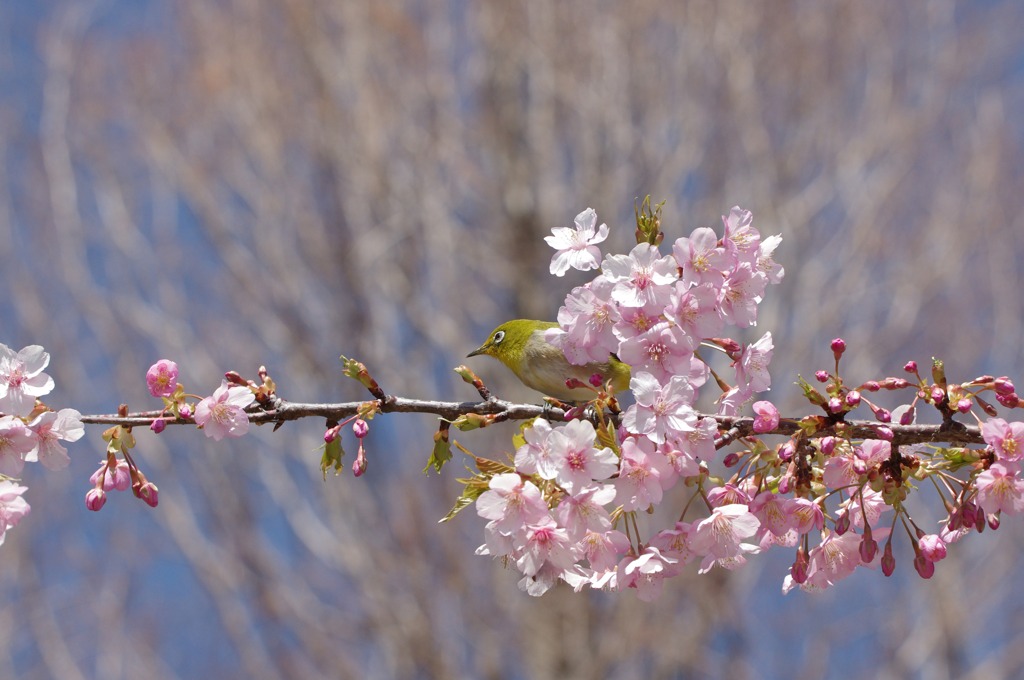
993, 521
932, 547
843, 523
853, 398
871, 386
838, 347
360, 428
158, 425
149, 493
883, 432
868, 548
924, 567
938, 394
828, 445
799, 569
821, 376
596, 380
95, 499
907, 418
888, 561
835, 405
731, 459
1008, 400
910, 367
185, 411
881, 414
1003, 385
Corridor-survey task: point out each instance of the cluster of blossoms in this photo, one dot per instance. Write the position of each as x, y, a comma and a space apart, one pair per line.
29, 430
567, 509
219, 415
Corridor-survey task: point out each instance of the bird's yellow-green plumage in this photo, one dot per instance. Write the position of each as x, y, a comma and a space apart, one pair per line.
520, 345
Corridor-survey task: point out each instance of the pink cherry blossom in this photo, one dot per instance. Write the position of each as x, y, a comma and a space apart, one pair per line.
1000, 490
534, 457
772, 510
866, 502
641, 278
700, 257
577, 461
511, 503
752, 368
765, 264
22, 379
604, 550
639, 481
162, 378
740, 235
587, 322
51, 427
16, 443
1006, 439
544, 542
695, 310
665, 350
12, 506
720, 537
223, 414
645, 573
741, 293
585, 512
767, 416
660, 410
576, 245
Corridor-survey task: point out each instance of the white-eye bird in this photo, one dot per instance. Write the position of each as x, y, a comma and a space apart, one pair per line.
520, 345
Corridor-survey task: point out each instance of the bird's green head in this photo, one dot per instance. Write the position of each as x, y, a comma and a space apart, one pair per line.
507, 342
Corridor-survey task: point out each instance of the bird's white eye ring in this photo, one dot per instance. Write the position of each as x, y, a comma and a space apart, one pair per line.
498, 337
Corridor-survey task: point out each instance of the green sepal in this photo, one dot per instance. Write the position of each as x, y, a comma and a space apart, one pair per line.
442, 451
333, 454
813, 395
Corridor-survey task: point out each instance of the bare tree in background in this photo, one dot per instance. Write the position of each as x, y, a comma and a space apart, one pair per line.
280, 182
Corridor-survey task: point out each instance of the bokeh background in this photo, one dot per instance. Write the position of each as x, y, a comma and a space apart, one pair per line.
231, 183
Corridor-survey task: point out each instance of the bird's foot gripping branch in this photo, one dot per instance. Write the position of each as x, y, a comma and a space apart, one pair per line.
622, 497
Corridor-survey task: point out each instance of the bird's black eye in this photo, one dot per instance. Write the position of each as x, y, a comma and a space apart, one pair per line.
498, 337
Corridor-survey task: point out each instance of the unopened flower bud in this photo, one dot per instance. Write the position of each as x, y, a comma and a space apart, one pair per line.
888, 561
360, 428
596, 380
799, 569
925, 568
932, 547
993, 520
185, 411
868, 547
938, 395
1003, 385
838, 347
731, 459
871, 386
95, 499
964, 405
835, 405
821, 376
853, 398
158, 425
828, 445
1008, 400
907, 417
910, 367
881, 414
843, 523
149, 493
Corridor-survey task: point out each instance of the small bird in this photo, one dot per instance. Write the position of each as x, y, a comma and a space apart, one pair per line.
520, 345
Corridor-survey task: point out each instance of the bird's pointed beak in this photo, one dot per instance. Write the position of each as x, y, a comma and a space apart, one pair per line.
478, 350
